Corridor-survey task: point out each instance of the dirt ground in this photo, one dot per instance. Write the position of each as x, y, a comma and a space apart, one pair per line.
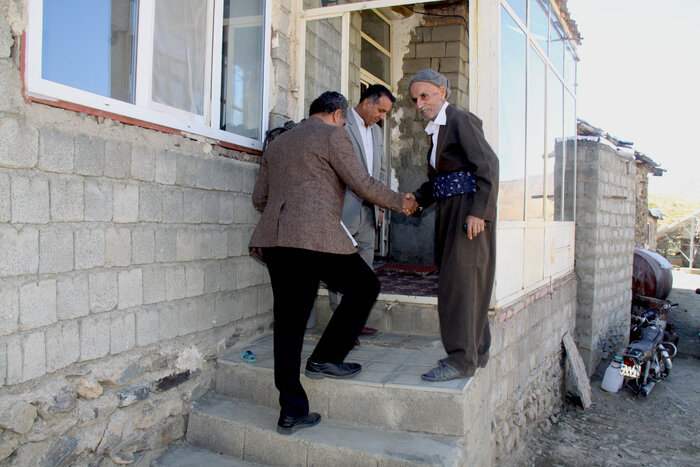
623, 430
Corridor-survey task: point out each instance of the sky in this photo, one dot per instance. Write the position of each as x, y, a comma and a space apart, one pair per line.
639, 80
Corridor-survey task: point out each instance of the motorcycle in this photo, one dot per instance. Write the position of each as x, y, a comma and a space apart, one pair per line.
649, 357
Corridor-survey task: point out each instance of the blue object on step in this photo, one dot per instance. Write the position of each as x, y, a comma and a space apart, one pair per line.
248, 356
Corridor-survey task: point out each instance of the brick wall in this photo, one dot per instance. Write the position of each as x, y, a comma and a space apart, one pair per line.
605, 227
123, 272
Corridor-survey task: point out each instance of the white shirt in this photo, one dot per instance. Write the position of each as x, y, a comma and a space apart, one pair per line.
433, 128
366, 134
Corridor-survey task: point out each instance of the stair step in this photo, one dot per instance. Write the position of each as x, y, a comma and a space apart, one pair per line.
248, 432
393, 313
186, 455
387, 394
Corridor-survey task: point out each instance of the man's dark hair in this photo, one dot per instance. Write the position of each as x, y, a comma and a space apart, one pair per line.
375, 92
329, 102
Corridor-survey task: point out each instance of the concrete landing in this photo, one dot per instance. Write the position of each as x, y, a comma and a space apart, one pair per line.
248, 432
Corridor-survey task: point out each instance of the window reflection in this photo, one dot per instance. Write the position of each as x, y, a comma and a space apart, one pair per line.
511, 142
556, 47
556, 155
520, 9
570, 166
535, 136
539, 23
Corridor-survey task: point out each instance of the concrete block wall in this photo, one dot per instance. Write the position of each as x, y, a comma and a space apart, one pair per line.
440, 43
605, 232
123, 273
526, 367
641, 234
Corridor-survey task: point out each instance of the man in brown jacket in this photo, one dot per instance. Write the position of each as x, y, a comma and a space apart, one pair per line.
463, 182
300, 189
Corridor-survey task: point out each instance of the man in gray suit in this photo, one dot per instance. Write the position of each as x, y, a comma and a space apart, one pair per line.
362, 218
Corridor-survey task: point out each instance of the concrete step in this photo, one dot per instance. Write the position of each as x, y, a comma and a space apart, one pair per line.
186, 455
393, 313
387, 394
248, 432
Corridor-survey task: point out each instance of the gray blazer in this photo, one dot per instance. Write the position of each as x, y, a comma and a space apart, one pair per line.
352, 204
300, 187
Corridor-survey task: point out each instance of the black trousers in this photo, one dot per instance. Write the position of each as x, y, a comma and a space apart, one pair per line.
295, 274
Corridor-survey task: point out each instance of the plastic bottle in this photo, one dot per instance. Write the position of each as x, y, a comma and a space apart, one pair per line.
612, 380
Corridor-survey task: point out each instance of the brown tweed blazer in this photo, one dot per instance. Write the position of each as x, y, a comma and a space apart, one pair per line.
301, 188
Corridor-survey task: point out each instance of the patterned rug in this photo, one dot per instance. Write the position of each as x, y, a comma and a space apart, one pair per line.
403, 279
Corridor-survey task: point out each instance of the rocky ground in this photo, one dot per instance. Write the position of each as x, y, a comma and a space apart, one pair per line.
622, 430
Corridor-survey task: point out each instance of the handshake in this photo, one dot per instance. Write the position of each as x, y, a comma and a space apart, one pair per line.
409, 204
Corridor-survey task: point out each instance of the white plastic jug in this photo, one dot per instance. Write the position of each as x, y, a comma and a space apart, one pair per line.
612, 380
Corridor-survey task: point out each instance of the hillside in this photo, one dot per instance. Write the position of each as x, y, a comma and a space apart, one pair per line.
674, 207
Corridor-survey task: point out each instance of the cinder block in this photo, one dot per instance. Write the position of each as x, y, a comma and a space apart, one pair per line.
126, 203
19, 251
228, 276
130, 289
451, 65
219, 244
143, 246
175, 282
206, 312
169, 320
89, 155
122, 333
192, 206
5, 200
237, 241
55, 250
210, 207
166, 167
90, 249
248, 176
143, 163
117, 159
72, 297
9, 312
118, 247
150, 203
194, 280
55, 151
33, 355
3, 362
30, 200
203, 245
67, 200
94, 337
172, 205
447, 32
166, 244
147, 326
186, 244
103, 291
186, 167
10, 84
153, 285
99, 200
37, 304
20, 144
212, 282
189, 322
13, 350
206, 173
61, 345
225, 208
241, 205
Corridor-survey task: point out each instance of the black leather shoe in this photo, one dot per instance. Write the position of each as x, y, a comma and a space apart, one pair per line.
289, 425
332, 370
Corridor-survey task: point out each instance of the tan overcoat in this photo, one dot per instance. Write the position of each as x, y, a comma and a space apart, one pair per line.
301, 186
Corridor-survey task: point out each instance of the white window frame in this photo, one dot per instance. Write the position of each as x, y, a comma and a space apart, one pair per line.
144, 109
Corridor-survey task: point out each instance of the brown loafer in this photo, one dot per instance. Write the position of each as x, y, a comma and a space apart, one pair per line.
368, 331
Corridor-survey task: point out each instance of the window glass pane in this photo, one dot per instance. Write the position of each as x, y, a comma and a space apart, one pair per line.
179, 44
570, 170
511, 141
556, 48
555, 159
535, 136
539, 23
242, 68
322, 3
375, 61
376, 28
323, 58
569, 67
519, 7
91, 45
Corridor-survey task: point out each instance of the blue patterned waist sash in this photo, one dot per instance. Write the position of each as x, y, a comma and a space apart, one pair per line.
454, 183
